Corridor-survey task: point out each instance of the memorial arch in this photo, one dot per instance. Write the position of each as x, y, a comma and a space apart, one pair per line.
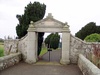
48, 24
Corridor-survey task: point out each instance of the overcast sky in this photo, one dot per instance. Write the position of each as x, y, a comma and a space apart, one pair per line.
76, 12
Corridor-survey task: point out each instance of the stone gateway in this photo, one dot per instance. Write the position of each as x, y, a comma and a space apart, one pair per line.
74, 50
49, 24
27, 45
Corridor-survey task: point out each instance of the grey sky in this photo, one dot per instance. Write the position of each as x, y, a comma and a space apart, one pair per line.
76, 12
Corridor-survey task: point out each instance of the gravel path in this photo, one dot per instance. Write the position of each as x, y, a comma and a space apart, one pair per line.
43, 67
27, 69
55, 55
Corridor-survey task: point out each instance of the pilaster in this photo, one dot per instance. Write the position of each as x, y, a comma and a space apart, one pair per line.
65, 45
32, 45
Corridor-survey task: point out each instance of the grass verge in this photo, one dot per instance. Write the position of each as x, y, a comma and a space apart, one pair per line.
43, 51
1, 49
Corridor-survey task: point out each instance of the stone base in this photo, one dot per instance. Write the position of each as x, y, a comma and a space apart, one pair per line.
65, 62
30, 61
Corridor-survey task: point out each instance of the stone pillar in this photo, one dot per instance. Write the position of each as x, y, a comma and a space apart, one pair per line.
31, 46
65, 46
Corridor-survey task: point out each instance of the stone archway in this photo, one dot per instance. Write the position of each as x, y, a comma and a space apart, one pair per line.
48, 24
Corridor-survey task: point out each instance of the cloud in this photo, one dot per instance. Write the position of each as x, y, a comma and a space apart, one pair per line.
76, 12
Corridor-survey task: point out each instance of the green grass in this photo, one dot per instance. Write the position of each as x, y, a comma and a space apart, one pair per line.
43, 51
1, 49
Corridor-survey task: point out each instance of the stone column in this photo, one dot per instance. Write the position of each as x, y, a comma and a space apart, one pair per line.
31, 46
65, 46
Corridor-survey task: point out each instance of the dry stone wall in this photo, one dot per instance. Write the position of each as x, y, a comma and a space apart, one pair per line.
10, 46
16, 45
78, 46
9, 60
22, 46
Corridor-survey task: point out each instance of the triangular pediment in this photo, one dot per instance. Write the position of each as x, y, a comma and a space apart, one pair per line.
50, 22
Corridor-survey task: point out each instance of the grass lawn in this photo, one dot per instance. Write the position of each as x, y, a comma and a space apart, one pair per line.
43, 51
1, 49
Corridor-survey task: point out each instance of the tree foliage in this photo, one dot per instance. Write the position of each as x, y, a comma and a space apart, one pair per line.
88, 29
93, 38
33, 12
1, 40
52, 40
40, 40
47, 40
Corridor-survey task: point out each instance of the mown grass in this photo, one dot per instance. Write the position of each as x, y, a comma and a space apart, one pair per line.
43, 51
1, 49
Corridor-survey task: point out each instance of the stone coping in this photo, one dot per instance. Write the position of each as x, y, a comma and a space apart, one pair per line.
87, 67
9, 56
11, 40
88, 43
23, 37
9, 60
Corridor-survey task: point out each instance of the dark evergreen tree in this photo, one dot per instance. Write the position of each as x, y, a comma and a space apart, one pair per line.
88, 29
33, 12
40, 40
54, 41
98, 29
47, 40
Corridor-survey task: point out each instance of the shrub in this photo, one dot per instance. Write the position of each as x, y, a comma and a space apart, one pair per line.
93, 38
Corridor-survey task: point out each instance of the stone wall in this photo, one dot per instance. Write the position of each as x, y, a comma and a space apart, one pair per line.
9, 60
10, 46
78, 46
22, 46
87, 67
16, 45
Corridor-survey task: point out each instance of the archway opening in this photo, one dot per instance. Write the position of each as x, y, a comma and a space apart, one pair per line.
48, 24
48, 53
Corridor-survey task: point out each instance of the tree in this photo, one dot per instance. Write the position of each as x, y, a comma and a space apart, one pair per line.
1, 40
33, 12
93, 38
47, 40
87, 30
40, 40
52, 40
98, 29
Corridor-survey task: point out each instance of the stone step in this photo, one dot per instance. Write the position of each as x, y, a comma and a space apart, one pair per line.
46, 63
